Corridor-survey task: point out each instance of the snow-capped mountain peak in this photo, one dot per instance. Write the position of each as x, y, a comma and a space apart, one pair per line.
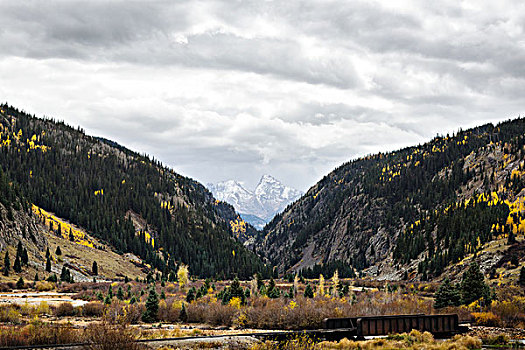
269, 198
234, 193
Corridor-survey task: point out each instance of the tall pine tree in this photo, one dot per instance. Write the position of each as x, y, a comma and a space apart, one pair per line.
7, 264
447, 295
473, 286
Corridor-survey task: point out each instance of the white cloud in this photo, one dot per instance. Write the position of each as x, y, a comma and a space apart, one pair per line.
222, 89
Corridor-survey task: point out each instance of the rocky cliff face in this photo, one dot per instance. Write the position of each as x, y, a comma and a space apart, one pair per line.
407, 212
21, 226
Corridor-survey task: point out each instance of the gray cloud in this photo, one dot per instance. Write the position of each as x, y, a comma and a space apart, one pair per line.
223, 89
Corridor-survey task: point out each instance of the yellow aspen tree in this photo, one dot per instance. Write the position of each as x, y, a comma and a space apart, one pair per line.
335, 282
182, 275
320, 288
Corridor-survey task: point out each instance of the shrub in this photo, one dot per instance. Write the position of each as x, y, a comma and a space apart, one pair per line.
43, 308
500, 339
38, 333
65, 309
42, 286
121, 313
104, 336
10, 314
511, 312
169, 310
5, 287
206, 310
295, 343
486, 319
412, 340
134, 313
94, 308
465, 341
28, 310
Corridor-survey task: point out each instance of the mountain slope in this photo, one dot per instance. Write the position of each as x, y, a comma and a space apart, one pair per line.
134, 203
413, 211
259, 206
34, 230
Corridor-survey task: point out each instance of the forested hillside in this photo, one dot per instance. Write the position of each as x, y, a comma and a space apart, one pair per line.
419, 209
126, 199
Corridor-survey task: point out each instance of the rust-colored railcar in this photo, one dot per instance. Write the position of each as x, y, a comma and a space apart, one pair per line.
383, 325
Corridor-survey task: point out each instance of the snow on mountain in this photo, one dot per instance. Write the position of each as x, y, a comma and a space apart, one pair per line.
274, 196
234, 193
259, 206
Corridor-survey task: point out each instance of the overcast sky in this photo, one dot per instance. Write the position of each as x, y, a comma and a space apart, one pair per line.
236, 89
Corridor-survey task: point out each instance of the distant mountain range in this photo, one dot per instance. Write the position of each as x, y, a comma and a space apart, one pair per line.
256, 207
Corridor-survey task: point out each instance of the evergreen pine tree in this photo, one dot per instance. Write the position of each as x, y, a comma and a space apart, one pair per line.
19, 249
308, 292
20, 283
48, 264
183, 316
94, 268
17, 266
236, 290
191, 295
291, 292
473, 285
37, 278
171, 277
7, 264
48, 254
25, 257
272, 291
260, 282
58, 251
52, 278
152, 307
65, 275
120, 293
447, 295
